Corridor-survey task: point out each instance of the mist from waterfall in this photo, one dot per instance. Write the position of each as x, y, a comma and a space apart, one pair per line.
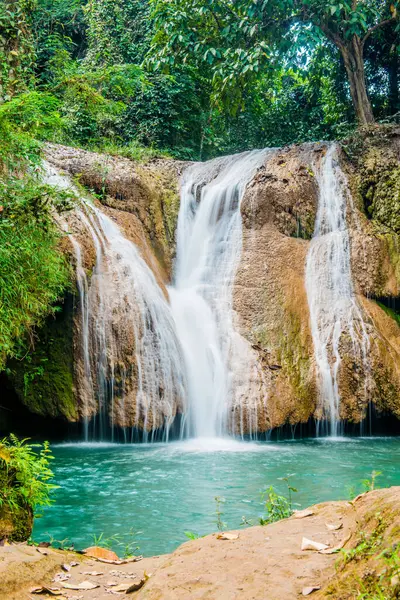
334, 311
209, 244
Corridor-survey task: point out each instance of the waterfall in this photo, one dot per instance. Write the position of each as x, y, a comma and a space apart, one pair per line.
132, 362
209, 242
334, 311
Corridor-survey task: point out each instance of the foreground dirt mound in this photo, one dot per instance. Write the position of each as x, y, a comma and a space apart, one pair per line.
267, 563
333, 550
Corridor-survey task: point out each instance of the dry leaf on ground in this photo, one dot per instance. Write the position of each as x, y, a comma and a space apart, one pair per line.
227, 536
307, 544
310, 589
84, 585
134, 587
333, 526
302, 514
46, 590
100, 553
338, 547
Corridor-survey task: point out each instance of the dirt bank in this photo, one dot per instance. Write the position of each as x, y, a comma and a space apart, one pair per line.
258, 563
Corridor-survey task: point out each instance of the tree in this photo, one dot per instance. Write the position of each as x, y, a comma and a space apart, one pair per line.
349, 25
16, 46
237, 39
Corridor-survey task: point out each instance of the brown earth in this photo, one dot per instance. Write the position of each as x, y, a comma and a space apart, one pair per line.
258, 563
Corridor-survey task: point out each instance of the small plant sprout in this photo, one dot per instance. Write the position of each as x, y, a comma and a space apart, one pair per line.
277, 507
370, 484
191, 535
127, 541
290, 488
219, 500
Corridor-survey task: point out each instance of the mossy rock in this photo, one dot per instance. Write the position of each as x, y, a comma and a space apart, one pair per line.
16, 525
44, 380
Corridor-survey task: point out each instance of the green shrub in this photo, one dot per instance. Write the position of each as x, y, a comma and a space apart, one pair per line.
277, 507
25, 474
33, 271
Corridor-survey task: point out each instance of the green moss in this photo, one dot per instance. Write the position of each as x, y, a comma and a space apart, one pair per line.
382, 195
390, 312
44, 379
296, 363
393, 248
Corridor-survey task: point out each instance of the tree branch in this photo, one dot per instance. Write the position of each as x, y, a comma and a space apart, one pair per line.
375, 27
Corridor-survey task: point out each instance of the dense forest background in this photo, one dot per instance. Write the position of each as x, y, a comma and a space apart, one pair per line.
195, 78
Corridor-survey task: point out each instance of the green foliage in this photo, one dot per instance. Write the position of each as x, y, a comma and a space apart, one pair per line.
370, 484
368, 544
118, 31
25, 474
236, 42
33, 271
191, 535
277, 507
16, 47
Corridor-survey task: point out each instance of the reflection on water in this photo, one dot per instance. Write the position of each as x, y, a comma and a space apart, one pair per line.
163, 490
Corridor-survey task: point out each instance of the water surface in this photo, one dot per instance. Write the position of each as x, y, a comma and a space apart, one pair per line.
159, 491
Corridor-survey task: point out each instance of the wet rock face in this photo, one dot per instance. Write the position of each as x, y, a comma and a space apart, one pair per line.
283, 193
278, 210
149, 192
269, 296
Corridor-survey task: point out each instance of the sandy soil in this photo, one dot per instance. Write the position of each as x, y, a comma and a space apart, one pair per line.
258, 563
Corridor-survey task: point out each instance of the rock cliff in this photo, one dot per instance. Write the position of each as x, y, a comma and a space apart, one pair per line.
270, 300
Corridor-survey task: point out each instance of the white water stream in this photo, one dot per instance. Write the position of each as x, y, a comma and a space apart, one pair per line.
209, 244
145, 359
124, 315
334, 311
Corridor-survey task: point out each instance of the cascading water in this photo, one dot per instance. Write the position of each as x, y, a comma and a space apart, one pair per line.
209, 242
333, 307
143, 360
132, 362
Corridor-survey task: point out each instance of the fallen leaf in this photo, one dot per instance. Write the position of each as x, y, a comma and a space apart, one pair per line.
307, 544
338, 547
357, 497
61, 577
302, 514
134, 587
46, 590
93, 573
111, 583
227, 536
84, 585
74, 564
121, 587
101, 553
334, 527
310, 589
66, 567
41, 551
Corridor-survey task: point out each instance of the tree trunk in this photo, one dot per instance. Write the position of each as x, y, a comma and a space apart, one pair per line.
352, 52
394, 83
